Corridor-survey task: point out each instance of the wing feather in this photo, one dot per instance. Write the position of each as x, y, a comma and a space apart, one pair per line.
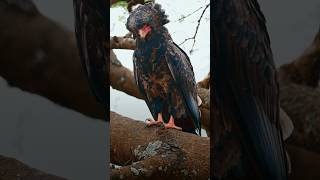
139, 81
245, 68
91, 29
183, 75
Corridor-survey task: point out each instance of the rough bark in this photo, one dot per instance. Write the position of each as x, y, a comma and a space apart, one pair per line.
11, 169
302, 103
40, 56
156, 152
300, 96
305, 70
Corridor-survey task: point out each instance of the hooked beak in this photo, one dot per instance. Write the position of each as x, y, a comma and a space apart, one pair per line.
144, 31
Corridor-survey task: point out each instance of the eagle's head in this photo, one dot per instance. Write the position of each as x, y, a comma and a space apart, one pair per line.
146, 20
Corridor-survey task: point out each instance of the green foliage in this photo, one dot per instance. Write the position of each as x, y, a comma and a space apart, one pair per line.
120, 3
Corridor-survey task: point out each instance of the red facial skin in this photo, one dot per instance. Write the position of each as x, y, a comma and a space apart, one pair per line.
144, 31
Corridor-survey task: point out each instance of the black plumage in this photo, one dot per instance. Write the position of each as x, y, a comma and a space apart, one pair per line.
91, 29
162, 70
246, 94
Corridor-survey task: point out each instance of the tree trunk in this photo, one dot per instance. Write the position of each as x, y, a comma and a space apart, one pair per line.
11, 169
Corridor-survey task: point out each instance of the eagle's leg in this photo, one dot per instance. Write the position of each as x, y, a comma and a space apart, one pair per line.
171, 124
151, 122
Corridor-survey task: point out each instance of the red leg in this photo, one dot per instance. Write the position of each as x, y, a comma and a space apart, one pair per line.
151, 122
171, 124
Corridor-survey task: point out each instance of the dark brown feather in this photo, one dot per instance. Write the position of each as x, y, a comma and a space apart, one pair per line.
91, 32
246, 89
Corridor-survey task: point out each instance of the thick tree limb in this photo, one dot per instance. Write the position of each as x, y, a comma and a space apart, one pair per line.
302, 103
155, 152
205, 83
122, 43
121, 78
305, 70
43, 59
300, 98
11, 169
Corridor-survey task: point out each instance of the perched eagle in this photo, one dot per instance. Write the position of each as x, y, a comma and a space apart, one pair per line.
163, 71
247, 134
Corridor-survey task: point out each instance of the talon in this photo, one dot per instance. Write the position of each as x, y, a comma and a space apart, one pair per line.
148, 120
151, 122
171, 125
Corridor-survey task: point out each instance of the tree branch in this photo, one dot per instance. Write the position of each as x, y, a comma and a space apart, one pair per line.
302, 103
122, 78
305, 70
197, 28
156, 152
11, 169
185, 16
300, 96
43, 59
205, 83
122, 43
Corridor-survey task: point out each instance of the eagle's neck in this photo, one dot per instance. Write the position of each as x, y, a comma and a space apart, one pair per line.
153, 50
157, 39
